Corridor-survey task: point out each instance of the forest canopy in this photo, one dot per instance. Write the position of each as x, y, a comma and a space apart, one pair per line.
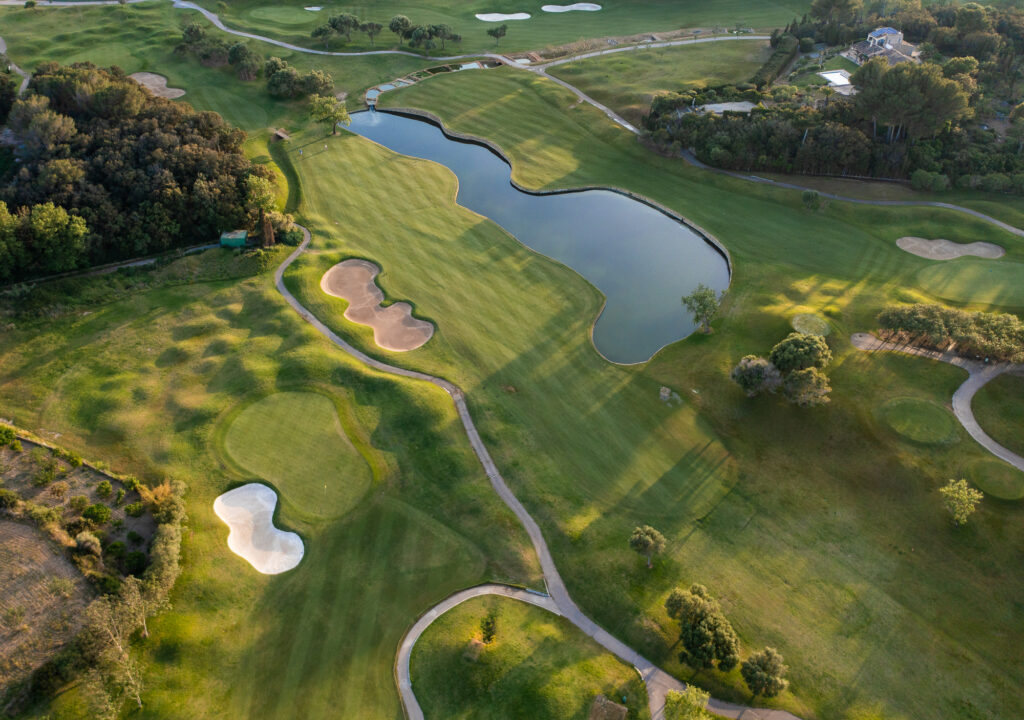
106, 171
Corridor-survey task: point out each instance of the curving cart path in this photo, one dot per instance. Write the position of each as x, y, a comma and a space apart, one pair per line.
978, 374
658, 682
25, 77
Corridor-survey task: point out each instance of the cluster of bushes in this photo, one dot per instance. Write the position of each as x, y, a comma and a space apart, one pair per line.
215, 51
981, 334
424, 36
795, 364
284, 81
8, 93
107, 171
785, 49
708, 638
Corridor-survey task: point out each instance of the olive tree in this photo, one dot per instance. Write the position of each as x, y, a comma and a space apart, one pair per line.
498, 33
690, 704
807, 388
647, 541
706, 634
398, 25
327, 109
702, 304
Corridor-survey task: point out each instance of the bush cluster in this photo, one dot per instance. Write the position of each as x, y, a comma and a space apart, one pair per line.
795, 364
978, 334
786, 48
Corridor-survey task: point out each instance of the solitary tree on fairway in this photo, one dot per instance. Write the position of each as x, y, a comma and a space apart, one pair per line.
326, 109
702, 304
703, 629
489, 627
323, 32
647, 541
960, 499
764, 672
398, 25
498, 33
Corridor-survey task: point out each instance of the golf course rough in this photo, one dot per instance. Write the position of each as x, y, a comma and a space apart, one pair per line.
296, 441
394, 327
249, 512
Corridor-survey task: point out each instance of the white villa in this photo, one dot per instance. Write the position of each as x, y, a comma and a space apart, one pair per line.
884, 42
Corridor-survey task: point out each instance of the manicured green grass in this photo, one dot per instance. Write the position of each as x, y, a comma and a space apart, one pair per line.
628, 81
616, 18
920, 421
968, 280
295, 441
762, 523
810, 324
996, 478
538, 666
997, 408
148, 382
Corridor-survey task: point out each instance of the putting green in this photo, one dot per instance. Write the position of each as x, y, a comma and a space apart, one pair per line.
920, 420
996, 478
992, 282
284, 15
295, 441
810, 325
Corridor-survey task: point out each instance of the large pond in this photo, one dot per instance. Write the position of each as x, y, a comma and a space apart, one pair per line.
641, 259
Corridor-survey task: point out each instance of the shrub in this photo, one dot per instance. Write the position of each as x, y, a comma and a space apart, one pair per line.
79, 503
104, 488
59, 488
88, 543
798, 351
807, 388
706, 634
806, 44
135, 563
134, 538
812, 201
7, 436
784, 52
764, 672
120, 497
98, 514
8, 499
116, 550
136, 509
960, 499
42, 514
292, 236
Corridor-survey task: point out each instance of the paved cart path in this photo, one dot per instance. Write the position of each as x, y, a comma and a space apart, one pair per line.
557, 600
978, 374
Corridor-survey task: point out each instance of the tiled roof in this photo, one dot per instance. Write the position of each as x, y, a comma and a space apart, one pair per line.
883, 31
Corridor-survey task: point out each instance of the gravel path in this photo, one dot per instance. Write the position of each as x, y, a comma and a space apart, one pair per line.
979, 373
25, 77
558, 600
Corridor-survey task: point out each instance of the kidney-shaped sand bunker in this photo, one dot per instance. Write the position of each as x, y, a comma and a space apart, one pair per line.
249, 512
394, 327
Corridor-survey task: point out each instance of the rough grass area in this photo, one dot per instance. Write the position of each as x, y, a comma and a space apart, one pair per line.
920, 421
628, 81
146, 382
999, 409
616, 18
295, 440
538, 666
42, 597
980, 282
762, 520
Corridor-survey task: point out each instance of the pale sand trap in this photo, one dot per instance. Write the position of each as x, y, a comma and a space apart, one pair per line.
498, 17
249, 512
314, 8
156, 84
588, 7
941, 249
394, 327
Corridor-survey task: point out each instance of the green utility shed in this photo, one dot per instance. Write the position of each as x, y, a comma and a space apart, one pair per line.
234, 238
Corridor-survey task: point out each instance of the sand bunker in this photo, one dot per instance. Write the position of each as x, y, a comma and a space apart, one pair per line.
156, 84
941, 249
499, 17
249, 512
314, 8
394, 327
588, 7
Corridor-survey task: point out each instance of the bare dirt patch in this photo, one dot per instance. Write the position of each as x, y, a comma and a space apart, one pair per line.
156, 84
42, 598
941, 249
394, 327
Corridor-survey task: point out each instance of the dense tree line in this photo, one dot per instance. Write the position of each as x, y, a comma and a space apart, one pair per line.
979, 334
906, 121
106, 171
427, 37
